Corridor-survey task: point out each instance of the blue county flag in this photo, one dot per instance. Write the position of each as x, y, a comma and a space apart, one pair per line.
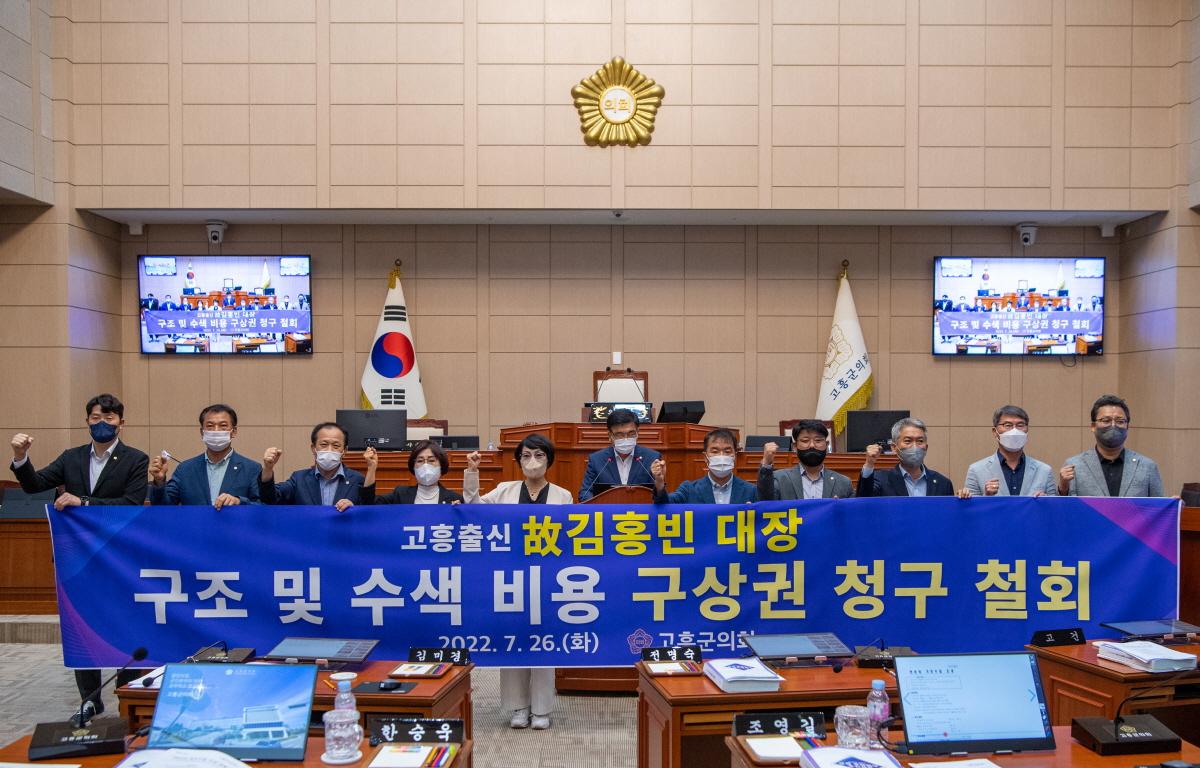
391, 378
846, 379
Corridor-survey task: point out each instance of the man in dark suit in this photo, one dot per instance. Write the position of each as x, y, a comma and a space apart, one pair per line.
228, 302
943, 304
624, 462
328, 482
103, 472
1023, 302
911, 477
150, 302
810, 480
718, 486
168, 305
220, 476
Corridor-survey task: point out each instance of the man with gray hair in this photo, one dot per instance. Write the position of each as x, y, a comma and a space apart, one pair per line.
1008, 471
910, 441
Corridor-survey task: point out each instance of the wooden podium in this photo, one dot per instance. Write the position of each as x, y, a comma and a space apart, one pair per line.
605, 679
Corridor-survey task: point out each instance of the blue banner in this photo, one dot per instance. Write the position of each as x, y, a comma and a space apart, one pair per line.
536, 585
967, 323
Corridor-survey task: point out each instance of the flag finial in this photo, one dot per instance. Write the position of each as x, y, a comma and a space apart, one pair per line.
394, 276
845, 269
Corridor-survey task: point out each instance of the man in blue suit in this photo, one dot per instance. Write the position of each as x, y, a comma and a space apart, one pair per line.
910, 477
328, 482
718, 486
220, 476
623, 463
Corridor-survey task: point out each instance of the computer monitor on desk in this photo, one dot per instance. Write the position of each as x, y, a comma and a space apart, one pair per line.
383, 430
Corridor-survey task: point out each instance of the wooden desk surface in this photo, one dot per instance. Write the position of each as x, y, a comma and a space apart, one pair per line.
446, 696
1069, 754
1086, 658
681, 720
18, 752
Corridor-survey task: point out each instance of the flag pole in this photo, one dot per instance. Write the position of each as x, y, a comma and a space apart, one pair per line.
845, 269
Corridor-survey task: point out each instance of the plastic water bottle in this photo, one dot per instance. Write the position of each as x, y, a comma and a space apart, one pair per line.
878, 710
345, 697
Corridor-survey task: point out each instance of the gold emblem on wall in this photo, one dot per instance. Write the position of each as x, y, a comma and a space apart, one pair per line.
617, 105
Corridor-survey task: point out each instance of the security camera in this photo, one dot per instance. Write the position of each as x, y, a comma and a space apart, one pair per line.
617, 212
216, 231
1028, 233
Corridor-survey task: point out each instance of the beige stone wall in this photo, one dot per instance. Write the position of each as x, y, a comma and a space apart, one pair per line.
26, 114
510, 322
1037, 104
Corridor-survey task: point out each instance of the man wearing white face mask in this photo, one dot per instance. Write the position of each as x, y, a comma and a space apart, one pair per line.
328, 482
623, 463
718, 486
220, 476
1009, 471
528, 694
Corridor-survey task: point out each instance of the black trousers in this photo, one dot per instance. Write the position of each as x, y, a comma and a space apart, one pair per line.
88, 680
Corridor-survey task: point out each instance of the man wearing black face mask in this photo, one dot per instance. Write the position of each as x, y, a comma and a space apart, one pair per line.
810, 480
1110, 469
103, 472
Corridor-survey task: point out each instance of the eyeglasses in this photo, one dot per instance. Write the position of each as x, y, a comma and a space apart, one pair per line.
535, 456
1109, 421
1005, 426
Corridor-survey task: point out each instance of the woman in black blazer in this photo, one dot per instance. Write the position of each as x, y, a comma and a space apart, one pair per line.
428, 463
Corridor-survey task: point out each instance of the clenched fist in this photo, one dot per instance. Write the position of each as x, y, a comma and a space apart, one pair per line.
769, 451
873, 451
658, 470
271, 457
20, 445
158, 470
1065, 476
991, 487
371, 456
473, 460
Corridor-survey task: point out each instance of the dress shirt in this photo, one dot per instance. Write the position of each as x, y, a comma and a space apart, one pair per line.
329, 486
1113, 470
918, 487
216, 474
1013, 478
97, 463
813, 489
722, 493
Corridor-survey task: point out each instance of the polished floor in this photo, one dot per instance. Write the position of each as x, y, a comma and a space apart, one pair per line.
588, 731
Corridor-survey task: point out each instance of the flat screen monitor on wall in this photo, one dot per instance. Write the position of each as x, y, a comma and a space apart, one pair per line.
1018, 306
225, 305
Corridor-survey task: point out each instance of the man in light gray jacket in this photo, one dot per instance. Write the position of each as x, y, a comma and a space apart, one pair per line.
1009, 471
1110, 469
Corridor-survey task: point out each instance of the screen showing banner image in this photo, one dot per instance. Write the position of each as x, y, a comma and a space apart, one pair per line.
1018, 306
982, 702
225, 305
249, 711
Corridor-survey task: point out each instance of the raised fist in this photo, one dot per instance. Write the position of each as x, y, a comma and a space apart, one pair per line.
371, 456
271, 457
473, 459
20, 445
158, 470
873, 451
769, 451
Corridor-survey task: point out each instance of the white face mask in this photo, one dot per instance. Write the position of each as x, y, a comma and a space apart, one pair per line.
1013, 440
428, 474
216, 441
720, 466
534, 468
625, 445
328, 460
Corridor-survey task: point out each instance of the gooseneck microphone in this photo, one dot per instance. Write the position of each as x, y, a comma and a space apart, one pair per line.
87, 708
596, 479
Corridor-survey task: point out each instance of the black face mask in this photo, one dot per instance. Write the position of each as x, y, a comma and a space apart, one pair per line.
811, 457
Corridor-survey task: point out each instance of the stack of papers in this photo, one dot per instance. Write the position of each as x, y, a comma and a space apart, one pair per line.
748, 675
837, 757
180, 758
776, 748
1146, 656
414, 755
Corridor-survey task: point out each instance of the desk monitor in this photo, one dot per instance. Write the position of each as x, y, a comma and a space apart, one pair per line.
598, 412
25, 506
973, 702
338, 649
681, 412
798, 646
1152, 629
385, 429
457, 442
755, 443
248, 711
866, 427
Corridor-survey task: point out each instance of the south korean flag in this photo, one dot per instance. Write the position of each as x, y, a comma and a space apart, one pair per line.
391, 378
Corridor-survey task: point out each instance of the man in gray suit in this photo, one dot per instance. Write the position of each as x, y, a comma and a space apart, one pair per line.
810, 480
1009, 471
1110, 469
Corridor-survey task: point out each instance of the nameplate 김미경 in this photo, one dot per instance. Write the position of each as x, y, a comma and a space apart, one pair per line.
455, 656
